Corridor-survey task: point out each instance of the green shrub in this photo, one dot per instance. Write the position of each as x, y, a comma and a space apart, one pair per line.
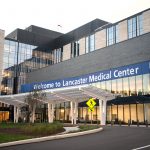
43, 128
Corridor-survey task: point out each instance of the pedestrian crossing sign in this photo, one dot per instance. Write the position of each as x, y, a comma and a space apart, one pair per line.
91, 103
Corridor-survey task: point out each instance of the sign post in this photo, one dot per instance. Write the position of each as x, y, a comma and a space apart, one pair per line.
91, 103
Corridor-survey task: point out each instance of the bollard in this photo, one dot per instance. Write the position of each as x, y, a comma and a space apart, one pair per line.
138, 123
112, 123
120, 122
129, 123
146, 123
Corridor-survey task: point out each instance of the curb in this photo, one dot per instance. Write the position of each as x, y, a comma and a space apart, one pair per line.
49, 138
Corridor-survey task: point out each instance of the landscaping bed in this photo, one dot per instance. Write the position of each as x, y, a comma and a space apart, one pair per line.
14, 132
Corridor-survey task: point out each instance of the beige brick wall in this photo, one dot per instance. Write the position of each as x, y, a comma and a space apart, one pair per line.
82, 46
2, 33
100, 39
66, 52
122, 30
146, 21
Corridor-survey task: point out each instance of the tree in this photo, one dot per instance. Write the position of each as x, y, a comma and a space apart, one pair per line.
34, 99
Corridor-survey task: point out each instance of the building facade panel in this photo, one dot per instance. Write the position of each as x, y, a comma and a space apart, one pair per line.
146, 21
122, 31
110, 57
100, 39
82, 46
67, 52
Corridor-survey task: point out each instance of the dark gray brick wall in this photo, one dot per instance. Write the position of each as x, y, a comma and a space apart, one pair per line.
127, 52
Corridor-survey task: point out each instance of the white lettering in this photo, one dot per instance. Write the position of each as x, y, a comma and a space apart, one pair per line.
127, 72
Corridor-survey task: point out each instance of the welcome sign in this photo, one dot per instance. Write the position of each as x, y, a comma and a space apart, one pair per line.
121, 72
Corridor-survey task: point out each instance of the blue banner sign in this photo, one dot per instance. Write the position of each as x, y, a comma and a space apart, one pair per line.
115, 73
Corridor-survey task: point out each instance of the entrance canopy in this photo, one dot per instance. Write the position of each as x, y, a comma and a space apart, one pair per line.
76, 94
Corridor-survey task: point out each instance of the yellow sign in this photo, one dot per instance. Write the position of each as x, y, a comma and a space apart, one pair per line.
90, 109
91, 103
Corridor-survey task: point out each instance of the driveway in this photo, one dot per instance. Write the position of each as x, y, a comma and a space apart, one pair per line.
112, 138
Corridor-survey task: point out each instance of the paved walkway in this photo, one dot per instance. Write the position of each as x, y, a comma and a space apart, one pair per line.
71, 129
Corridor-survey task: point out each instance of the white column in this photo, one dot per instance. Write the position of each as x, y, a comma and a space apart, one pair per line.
102, 106
75, 112
33, 114
103, 122
50, 112
100, 109
15, 114
71, 112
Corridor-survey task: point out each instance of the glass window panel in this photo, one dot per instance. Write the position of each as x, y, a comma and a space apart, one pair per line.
87, 44
133, 113
147, 112
103, 85
62, 114
108, 85
114, 112
114, 86
94, 115
85, 115
92, 43
126, 113
132, 85
119, 86
120, 112
108, 113
80, 113
140, 113
139, 84
146, 84
57, 114
67, 112
117, 34
125, 86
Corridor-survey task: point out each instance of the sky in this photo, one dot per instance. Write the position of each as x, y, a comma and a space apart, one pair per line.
70, 14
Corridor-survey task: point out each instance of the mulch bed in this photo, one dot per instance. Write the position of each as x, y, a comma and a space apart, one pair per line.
21, 132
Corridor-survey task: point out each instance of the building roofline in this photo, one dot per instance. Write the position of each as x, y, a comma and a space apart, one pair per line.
111, 24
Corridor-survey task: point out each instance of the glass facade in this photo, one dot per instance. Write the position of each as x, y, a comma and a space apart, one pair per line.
135, 26
19, 59
134, 113
122, 113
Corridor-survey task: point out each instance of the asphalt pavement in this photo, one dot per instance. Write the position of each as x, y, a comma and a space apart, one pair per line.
111, 138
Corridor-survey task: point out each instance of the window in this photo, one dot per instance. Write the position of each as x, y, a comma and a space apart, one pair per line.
75, 49
57, 55
90, 43
135, 26
112, 35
